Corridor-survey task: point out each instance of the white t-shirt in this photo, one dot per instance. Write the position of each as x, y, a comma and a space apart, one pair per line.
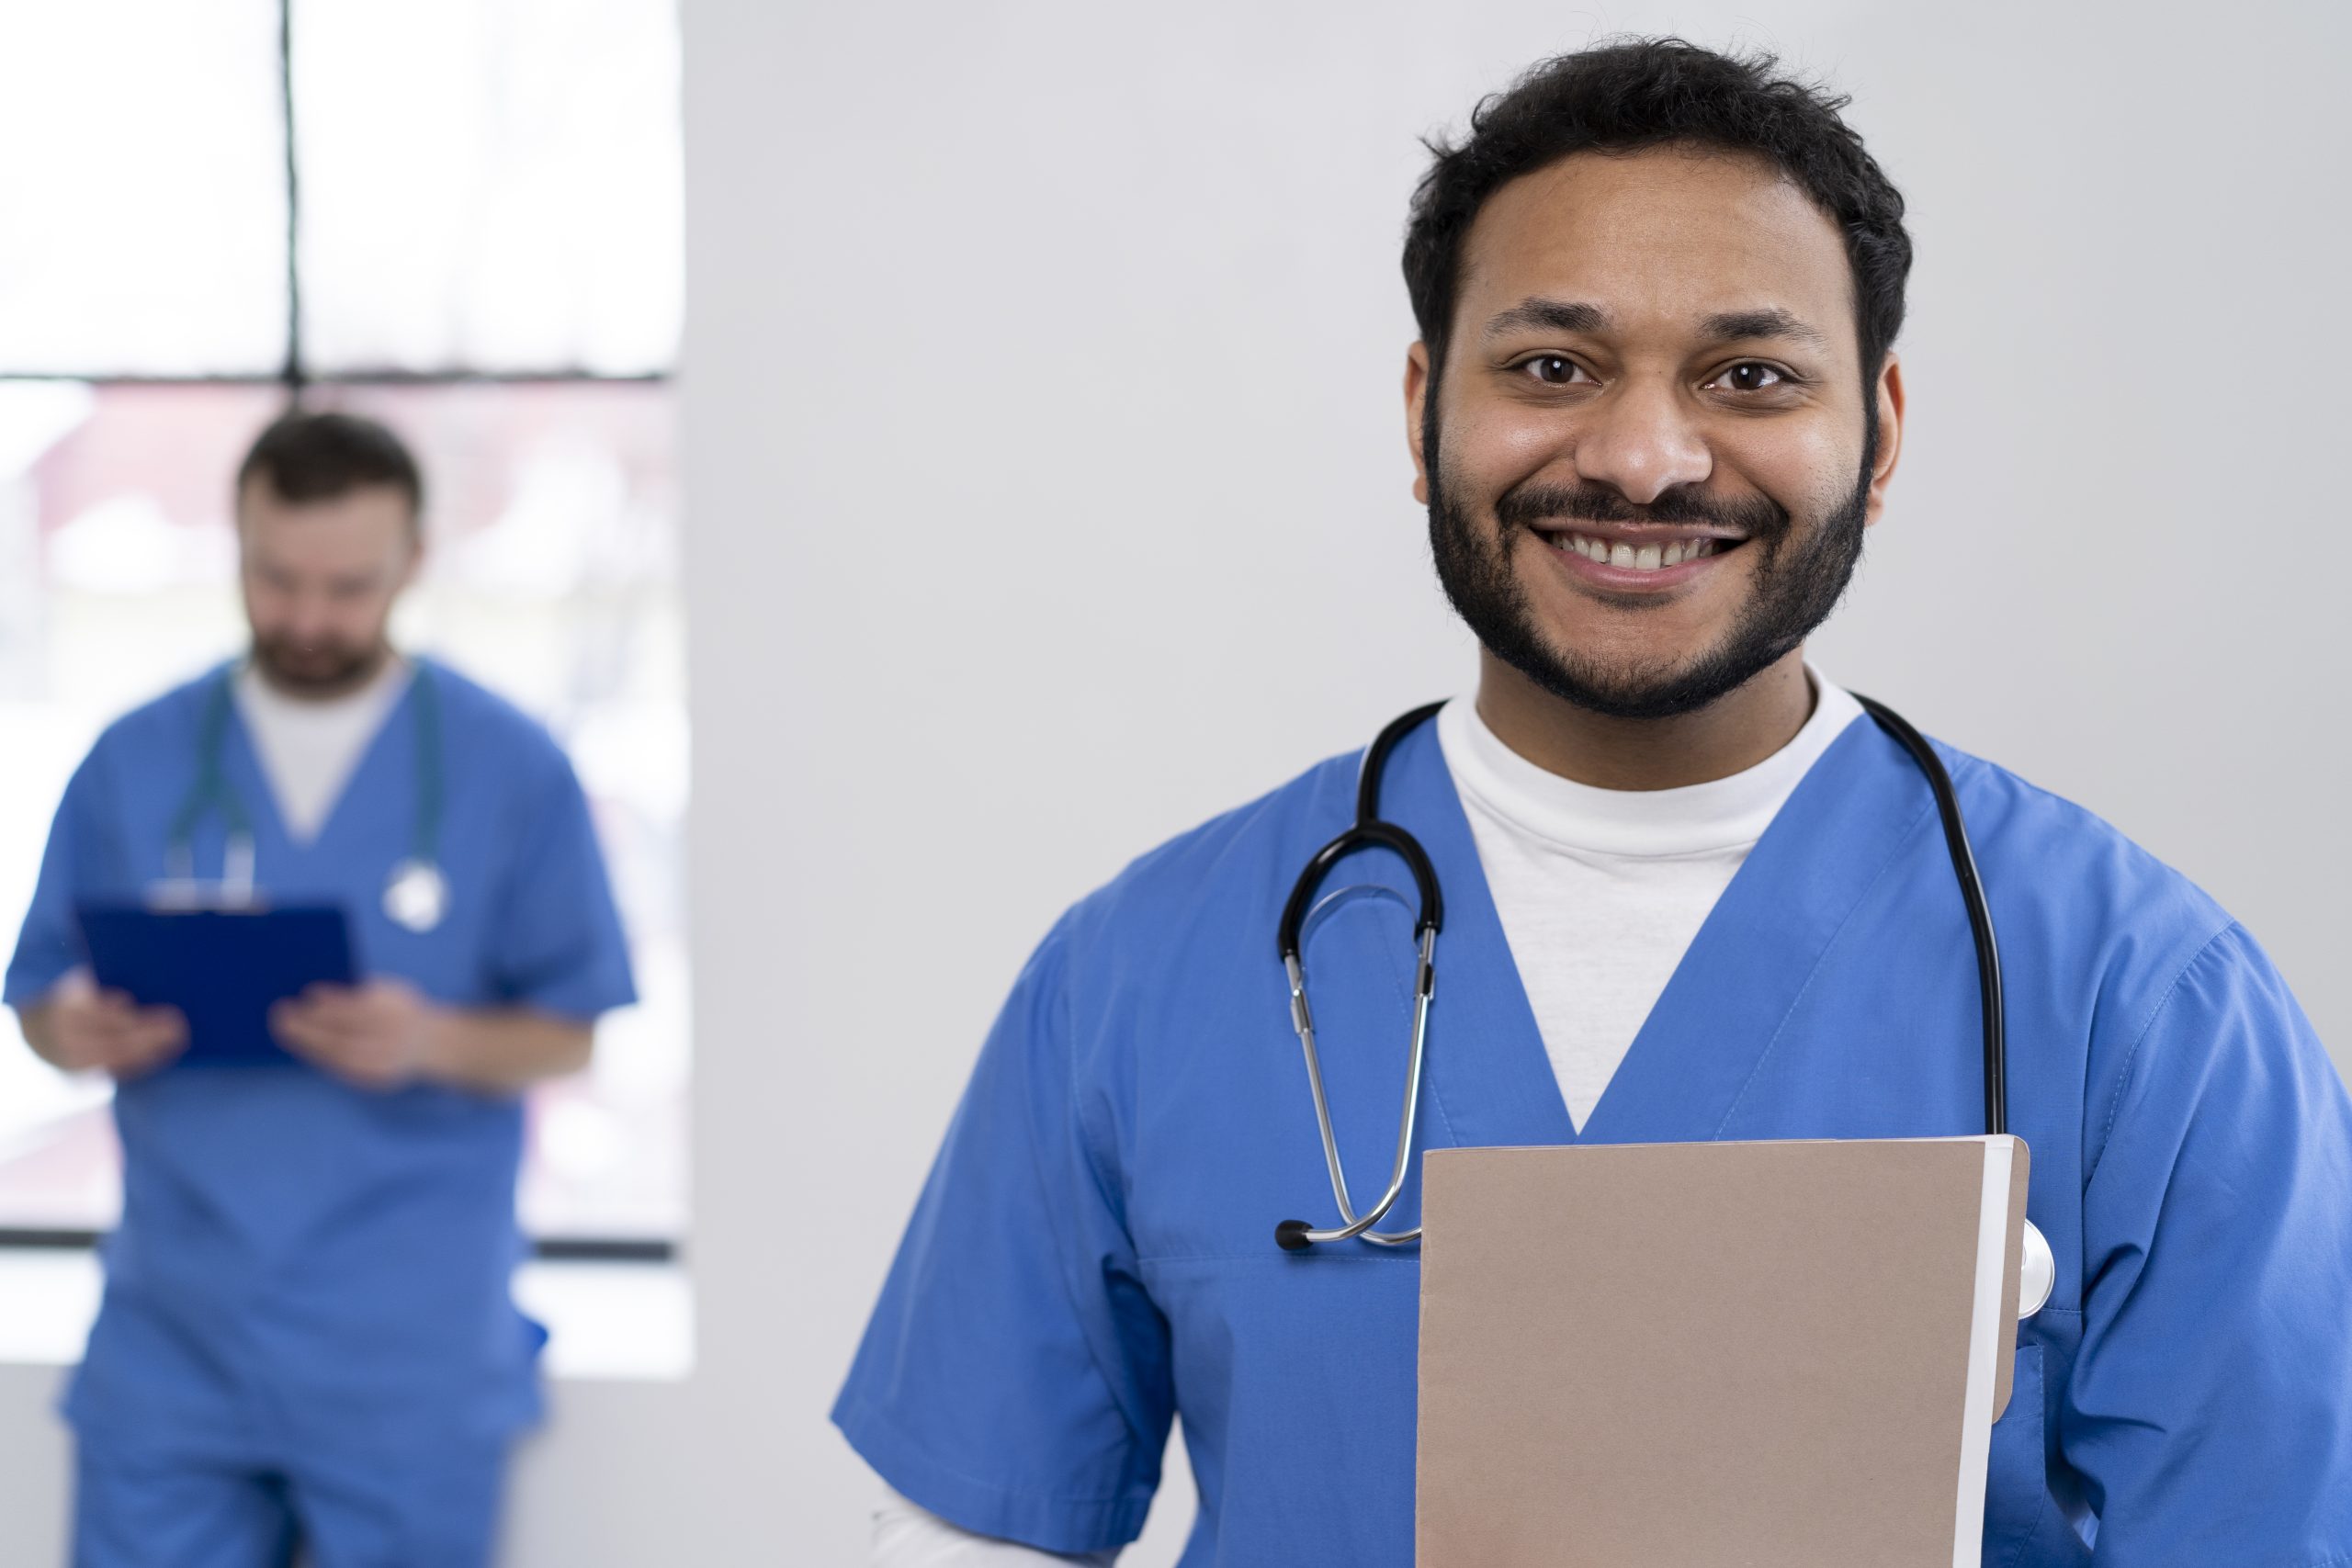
1599, 891
1602, 890
310, 748
906, 1536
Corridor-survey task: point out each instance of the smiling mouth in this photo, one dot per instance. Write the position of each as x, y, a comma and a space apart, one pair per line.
1648, 555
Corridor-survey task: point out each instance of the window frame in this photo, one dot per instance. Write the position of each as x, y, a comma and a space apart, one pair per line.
295, 377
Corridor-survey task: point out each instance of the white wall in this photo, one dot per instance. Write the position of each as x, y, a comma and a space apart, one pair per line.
1046, 494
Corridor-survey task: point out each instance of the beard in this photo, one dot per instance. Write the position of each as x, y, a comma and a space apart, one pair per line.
1801, 572
318, 669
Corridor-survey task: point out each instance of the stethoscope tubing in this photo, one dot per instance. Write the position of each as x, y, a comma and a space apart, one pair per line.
211, 791
1294, 1235
1370, 831
1992, 1002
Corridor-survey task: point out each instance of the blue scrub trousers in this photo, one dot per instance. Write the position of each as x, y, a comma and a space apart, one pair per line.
167, 1508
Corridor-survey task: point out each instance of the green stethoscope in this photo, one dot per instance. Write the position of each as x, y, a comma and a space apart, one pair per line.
416, 895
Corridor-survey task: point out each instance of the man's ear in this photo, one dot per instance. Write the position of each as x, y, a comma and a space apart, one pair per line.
1889, 393
1417, 395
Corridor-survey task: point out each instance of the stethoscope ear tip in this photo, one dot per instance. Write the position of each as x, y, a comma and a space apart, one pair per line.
1291, 1235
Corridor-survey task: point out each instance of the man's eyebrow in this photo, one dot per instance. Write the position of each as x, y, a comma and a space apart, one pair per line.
1540, 314
1729, 326
1554, 315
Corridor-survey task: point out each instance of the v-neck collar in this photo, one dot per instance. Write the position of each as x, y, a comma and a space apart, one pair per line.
254, 782
1721, 1015
1490, 1082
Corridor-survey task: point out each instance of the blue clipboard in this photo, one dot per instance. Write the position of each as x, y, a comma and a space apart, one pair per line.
223, 968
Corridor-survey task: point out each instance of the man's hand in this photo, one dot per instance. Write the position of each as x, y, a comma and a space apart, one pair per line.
385, 1034
377, 1036
80, 1029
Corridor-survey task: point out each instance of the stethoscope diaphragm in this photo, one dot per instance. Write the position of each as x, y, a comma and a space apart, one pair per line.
416, 895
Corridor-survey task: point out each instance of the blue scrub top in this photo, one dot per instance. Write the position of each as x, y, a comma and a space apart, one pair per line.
1093, 1253
301, 1262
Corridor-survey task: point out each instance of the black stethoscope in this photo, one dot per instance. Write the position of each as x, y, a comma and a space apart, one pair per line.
416, 895
1370, 831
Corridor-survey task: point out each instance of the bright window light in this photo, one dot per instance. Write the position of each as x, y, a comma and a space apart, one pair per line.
488, 185
551, 577
142, 202
486, 222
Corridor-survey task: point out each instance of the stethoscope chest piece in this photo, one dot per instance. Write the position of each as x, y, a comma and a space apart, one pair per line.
417, 896
2036, 1272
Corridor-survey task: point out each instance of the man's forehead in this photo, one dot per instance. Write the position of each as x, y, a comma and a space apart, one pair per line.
258, 489
1689, 234
363, 530
362, 509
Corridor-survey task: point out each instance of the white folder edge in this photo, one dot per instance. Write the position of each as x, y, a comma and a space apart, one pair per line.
1986, 1341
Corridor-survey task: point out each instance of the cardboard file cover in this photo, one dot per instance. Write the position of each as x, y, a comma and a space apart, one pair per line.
1773, 1355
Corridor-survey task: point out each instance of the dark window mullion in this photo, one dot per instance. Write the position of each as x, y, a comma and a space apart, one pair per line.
292, 375
546, 1248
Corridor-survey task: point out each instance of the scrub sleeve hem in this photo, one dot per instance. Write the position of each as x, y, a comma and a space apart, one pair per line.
28, 984
580, 1005
574, 1001
1071, 1526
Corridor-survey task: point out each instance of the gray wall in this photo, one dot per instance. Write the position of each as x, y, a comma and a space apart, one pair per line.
1046, 494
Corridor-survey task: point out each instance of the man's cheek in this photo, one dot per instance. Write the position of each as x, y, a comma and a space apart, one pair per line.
1494, 445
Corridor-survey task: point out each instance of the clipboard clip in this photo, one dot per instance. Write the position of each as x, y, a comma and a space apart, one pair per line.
180, 889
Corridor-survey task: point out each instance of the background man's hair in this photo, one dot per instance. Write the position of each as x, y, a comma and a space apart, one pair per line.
305, 457
1632, 93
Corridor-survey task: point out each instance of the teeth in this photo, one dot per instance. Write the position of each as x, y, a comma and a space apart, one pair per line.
1645, 557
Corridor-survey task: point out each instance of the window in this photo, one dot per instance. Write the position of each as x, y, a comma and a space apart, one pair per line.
460, 217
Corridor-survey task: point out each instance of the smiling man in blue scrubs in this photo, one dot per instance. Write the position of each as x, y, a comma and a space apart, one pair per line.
307, 1333
1690, 892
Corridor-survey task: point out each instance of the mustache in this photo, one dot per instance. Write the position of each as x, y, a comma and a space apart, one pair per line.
1757, 516
291, 651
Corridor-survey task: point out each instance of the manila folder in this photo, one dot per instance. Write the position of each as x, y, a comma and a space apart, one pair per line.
1774, 1355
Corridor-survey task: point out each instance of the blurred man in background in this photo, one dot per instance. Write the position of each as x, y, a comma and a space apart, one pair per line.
307, 1332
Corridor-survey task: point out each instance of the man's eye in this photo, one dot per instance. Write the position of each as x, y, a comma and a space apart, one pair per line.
1751, 376
1553, 370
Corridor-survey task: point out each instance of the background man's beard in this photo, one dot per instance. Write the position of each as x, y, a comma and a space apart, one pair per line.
319, 668
1800, 577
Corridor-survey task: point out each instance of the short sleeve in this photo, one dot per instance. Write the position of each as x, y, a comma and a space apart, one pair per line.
48, 943
2210, 1410
1014, 1377
557, 944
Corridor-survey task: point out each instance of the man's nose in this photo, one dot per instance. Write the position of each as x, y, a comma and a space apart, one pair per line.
1641, 442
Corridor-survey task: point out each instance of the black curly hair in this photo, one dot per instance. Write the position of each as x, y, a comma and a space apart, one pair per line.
1627, 94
